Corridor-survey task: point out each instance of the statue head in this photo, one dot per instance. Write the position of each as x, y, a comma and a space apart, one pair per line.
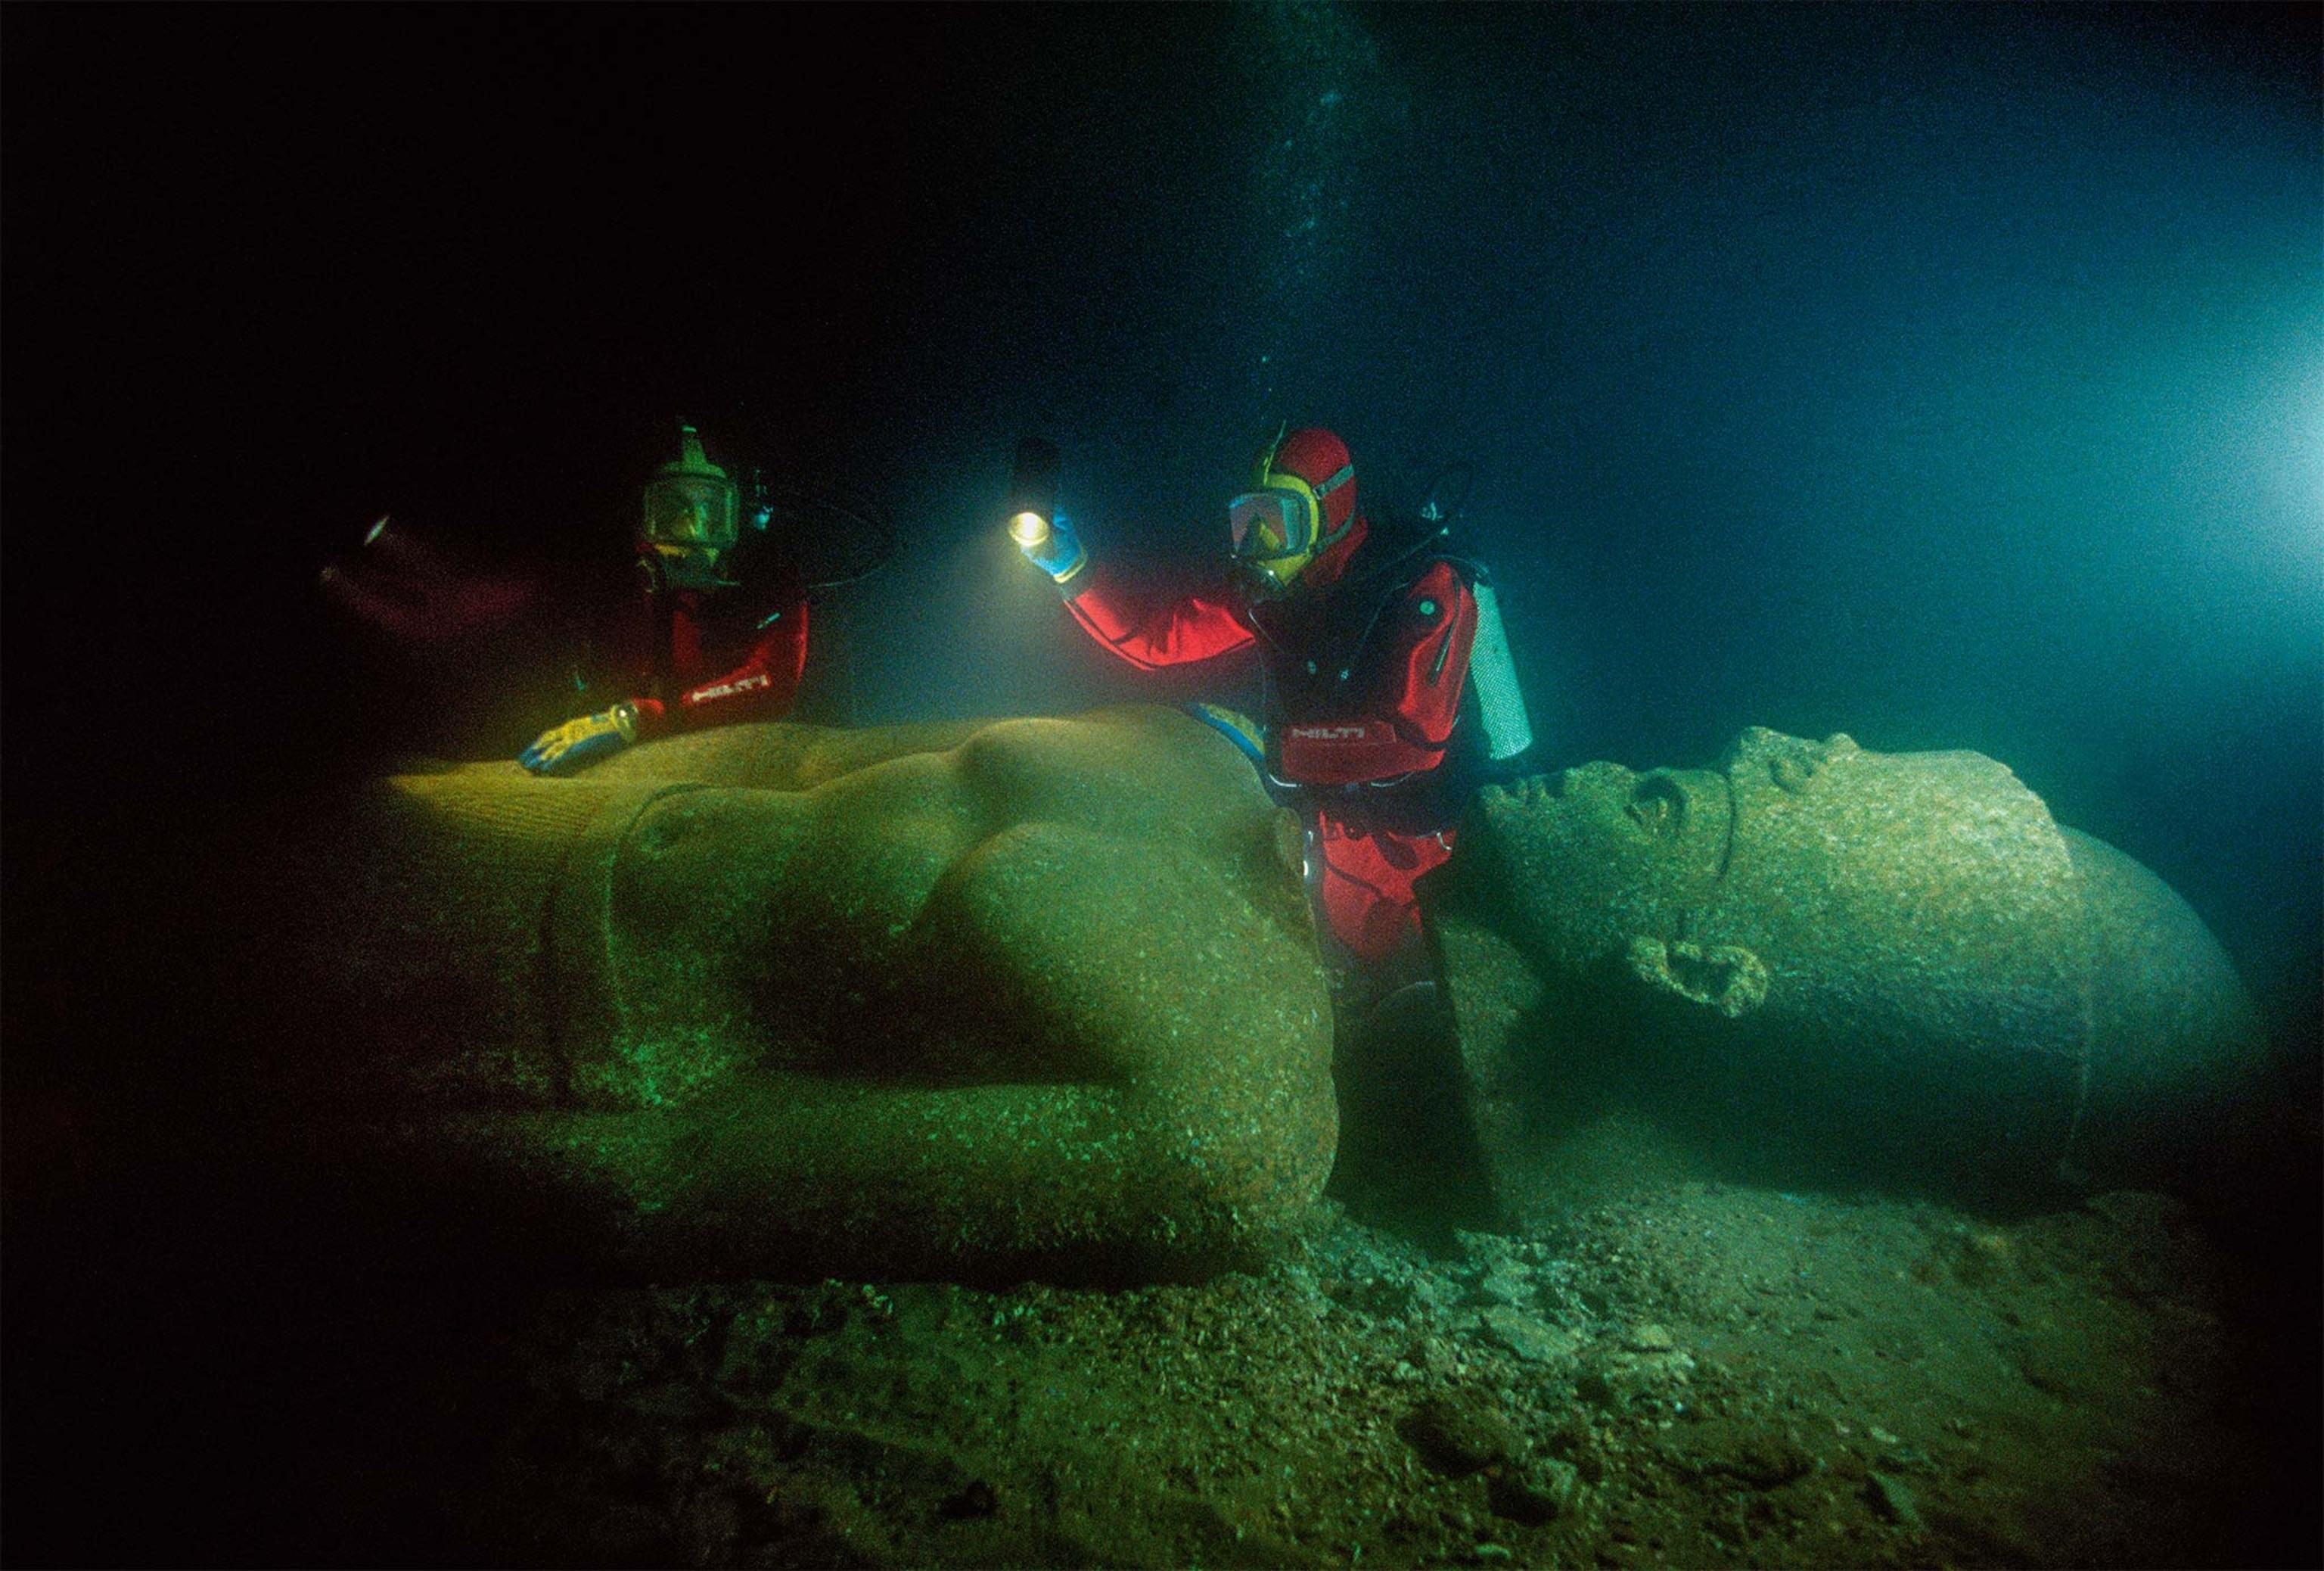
1885, 938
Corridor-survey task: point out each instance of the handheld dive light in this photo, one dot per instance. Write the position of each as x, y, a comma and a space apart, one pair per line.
1033, 491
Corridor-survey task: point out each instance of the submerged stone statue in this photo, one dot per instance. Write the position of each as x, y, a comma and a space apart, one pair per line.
1884, 963
1042, 996
967, 1000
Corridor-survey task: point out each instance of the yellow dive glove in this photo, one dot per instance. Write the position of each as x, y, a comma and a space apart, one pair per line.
568, 746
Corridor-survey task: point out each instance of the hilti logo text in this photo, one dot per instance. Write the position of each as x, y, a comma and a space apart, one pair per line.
1327, 733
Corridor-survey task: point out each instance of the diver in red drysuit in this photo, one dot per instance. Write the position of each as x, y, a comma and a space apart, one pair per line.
718, 635
1365, 632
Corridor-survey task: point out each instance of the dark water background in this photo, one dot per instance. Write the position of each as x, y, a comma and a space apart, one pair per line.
1952, 378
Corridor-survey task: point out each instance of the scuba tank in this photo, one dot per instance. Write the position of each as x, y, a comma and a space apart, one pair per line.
1493, 677
1492, 674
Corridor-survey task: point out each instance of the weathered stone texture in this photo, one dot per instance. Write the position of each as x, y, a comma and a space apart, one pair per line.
1884, 955
958, 1000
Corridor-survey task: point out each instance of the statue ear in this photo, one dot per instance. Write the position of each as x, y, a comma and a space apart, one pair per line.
1726, 977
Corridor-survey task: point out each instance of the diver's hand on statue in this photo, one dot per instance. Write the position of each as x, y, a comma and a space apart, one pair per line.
564, 748
1058, 553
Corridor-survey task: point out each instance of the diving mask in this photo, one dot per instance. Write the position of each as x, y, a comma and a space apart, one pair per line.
1276, 522
690, 503
1278, 528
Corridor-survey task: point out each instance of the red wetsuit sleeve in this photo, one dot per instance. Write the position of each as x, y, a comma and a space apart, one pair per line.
1148, 636
1415, 693
762, 688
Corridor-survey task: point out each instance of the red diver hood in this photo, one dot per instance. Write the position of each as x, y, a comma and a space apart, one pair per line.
1316, 456
1327, 568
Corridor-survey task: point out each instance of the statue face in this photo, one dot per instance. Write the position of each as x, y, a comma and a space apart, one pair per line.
1627, 853
1914, 895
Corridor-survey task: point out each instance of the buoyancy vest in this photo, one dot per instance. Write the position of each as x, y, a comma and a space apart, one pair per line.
1319, 657
1315, 647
